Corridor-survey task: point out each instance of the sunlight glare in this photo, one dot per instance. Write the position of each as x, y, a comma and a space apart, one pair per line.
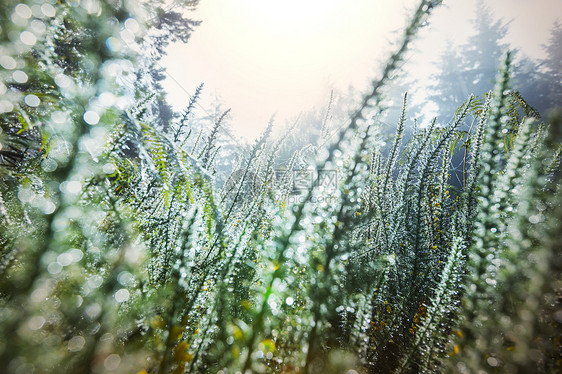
283, 56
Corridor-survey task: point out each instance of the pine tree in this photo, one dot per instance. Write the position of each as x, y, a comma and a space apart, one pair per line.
168, 25
540, 82
472, 71
553, 65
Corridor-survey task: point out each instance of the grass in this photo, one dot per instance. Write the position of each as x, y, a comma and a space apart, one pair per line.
121, 253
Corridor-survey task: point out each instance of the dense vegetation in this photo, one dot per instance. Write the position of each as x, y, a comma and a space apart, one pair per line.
120, 252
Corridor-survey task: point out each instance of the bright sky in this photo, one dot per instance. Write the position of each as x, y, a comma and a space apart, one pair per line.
262, 57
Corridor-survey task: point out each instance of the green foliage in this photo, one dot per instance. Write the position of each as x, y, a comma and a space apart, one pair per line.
121, 252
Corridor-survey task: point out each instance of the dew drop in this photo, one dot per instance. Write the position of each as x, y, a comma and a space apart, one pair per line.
54, 268
91, 117
28, 38
76, 343
48, 10
19, 76
32, 100
63, 81
8, 62
112, 362
6, 106
36, 322
122, 295
23, 11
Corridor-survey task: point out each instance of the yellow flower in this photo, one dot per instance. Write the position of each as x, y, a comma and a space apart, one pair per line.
181, 355
176, 333
267, 345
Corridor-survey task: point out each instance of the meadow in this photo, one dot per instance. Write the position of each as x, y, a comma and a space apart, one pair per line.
120, 252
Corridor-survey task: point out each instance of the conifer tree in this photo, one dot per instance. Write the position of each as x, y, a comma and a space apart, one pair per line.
469, 68
552, 65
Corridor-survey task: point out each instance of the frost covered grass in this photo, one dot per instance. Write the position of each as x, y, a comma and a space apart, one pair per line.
120, 252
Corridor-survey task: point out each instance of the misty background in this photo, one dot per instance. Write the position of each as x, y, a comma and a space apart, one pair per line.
306, 63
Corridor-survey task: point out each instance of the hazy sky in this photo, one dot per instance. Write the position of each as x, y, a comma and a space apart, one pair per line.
283, 56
